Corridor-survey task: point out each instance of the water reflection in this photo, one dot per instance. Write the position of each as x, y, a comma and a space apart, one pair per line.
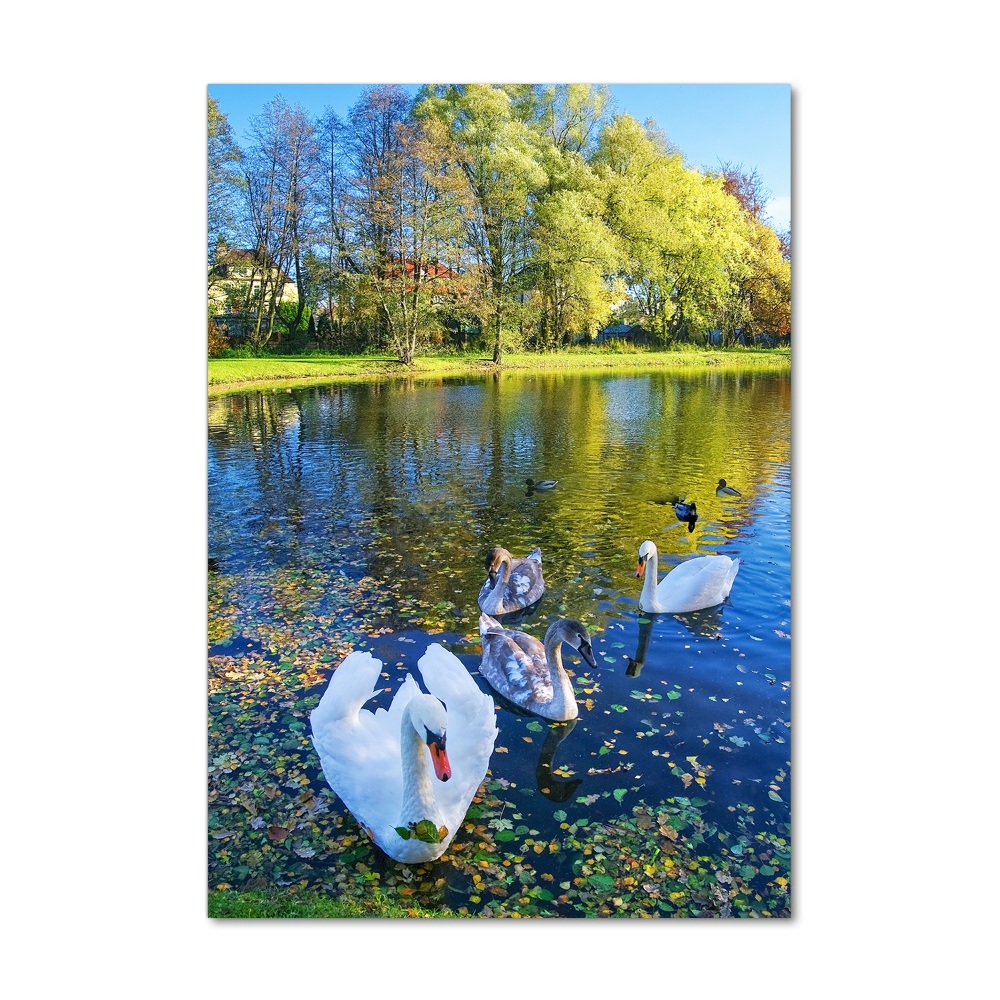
637, 662
358, 516
705, 624
552, 787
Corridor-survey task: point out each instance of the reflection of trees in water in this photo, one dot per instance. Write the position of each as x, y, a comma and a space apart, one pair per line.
272, 428
428, 477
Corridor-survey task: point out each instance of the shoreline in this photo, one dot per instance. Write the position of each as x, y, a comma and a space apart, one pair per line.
240, 374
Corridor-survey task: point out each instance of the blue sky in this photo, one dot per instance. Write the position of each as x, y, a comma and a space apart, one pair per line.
710, 123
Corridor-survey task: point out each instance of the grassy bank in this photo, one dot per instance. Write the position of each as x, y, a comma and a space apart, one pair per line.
307, 904
226, 374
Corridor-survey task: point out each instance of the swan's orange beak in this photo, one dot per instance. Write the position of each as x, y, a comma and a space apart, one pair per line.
640, 569
442, 767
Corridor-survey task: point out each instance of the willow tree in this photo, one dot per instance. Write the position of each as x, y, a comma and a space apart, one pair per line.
495, 137
682, 237
575, 259
575, 253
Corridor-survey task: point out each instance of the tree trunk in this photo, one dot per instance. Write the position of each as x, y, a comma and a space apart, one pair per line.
497, 343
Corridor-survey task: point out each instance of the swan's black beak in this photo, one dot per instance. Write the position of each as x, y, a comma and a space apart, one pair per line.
586, 652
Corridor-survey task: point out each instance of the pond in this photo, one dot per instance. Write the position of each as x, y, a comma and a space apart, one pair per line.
358, 516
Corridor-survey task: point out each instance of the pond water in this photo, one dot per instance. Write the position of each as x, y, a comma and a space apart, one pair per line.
358, 517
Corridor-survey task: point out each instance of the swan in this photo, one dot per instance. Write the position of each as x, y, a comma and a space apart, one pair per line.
722, 490
699, 583
511, 584
530, 674
541, 484
380, 763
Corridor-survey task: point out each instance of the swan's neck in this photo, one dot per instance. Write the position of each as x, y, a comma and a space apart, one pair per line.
418, 778
503, 573
496, 595
562, 687
648, 600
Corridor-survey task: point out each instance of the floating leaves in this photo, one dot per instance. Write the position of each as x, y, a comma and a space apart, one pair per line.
277, 631
423, 830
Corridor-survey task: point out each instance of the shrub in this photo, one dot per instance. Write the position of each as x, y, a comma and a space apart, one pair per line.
218, 342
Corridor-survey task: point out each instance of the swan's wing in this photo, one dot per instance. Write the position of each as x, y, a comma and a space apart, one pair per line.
514, 663
351, 685
698, 583
360, 753
535, 555
472, 729
484, 595
525, 584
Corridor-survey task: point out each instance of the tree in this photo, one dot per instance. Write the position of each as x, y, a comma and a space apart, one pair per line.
747, 188
276, 198
761, 299
574, 252
685, 240
224, 159
405, 189
328, 258
494, 133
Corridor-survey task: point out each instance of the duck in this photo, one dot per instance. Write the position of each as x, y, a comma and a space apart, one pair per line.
406, 774
541, 484
686, 512
722, 490
529, 673
698, 583
511, 584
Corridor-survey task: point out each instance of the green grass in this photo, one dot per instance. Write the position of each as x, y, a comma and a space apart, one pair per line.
226, 374
306, 904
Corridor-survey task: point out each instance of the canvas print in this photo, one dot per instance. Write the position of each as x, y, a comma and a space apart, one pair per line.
499, 501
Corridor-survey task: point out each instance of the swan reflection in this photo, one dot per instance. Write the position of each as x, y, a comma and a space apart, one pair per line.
704, 624
556, 789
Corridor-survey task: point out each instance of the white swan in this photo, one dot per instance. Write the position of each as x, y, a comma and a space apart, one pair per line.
379, 763
699, 583
530, 674
511, 584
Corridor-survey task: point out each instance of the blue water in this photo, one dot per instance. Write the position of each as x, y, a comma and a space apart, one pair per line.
400, 489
